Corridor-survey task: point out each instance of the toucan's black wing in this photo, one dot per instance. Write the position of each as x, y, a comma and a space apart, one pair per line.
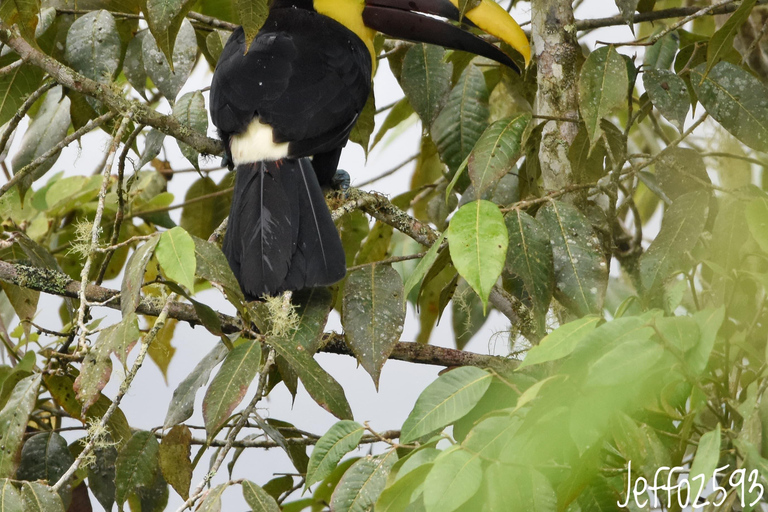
305, 75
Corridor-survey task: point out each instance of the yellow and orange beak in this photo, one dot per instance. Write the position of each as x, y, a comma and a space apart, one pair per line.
417, 20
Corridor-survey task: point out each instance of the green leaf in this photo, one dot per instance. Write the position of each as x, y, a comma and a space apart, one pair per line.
320, 385
212, 499
705, 461
586, 161
361, 132
252, 14
133, 278
426, 81
340, 439
581, 272
735, 99
496, 152
529, 257
153, 498
448, 398
176, 254
13, 422
721, 42
136, 465
455, 477
45, 456
230, 384
165, 18
463, 119
15, 86
153, 143
373, 315
634, 357
478, 239
680, 230
10, 497
101, 474
603, 86
38, 497
681, 170
662, 53
191, 113
174, 459
399, 495
561, 342
169, 81
398, 114
23, 14
213, 267
423, 266
258, 499
133, 63
518, 488
182, 403
93, 46
627, 9
48, 128
669, 95
362, 483
757, 220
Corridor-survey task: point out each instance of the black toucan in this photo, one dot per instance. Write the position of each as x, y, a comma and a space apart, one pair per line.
295, 94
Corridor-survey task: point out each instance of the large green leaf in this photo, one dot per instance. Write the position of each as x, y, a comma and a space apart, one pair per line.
13, 422
662, 53
190, 111
230, 384
174, 459
721, 42
258, 499
362, 483
398, 496
561, 342
529, 257
165, 18
22, 13
603, 86
212, 266
373, 315
252, 14
680, 230
47, 129
397, 115
169, 81
15, 86
530, 490
581, 272
45, 456
455, 477
133, 63
669, 95
426, 80
136, 465
705, 461
182, 403
93, 46
478, 239
757, 220
320, 385
340, 439
133, 278
10, 497
735, 99
101, 474
423, 266
39, 497
463, 119
365, 124
444, 401
176, 254
496, 152
681, 170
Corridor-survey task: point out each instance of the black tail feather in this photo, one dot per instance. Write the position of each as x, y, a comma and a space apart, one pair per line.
280, 234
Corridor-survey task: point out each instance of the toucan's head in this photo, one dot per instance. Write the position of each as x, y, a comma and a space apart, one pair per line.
419, 21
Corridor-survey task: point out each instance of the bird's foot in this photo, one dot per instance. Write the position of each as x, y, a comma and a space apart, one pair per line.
341, 180
227, 162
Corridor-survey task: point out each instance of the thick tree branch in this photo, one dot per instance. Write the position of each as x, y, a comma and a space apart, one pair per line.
107, 94
56, 283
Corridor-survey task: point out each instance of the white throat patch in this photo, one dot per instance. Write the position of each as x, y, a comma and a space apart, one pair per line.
256, 144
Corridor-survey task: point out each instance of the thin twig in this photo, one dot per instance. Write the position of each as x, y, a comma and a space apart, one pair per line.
37, 162
394, 259
164, 209
126, 384
387, 173
95, 232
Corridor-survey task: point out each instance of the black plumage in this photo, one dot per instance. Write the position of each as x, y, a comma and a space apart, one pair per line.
280, 234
